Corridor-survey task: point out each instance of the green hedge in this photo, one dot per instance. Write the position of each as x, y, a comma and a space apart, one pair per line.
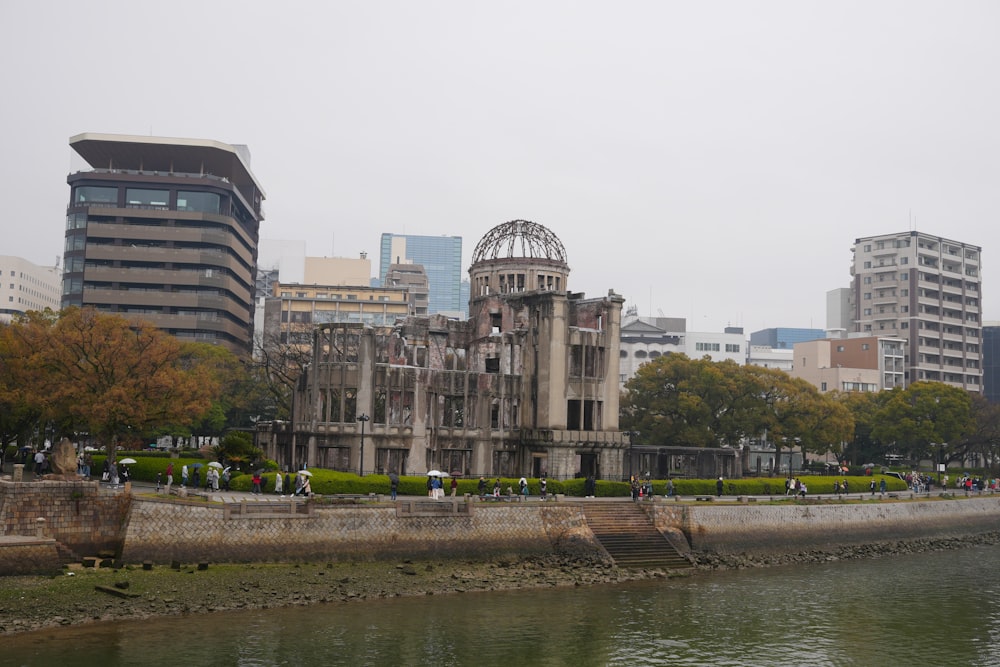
327, 482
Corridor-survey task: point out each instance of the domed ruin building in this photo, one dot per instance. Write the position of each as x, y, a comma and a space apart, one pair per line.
528, 385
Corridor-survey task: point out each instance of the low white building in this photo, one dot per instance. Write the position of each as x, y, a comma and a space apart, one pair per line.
769, 357
646, 338
27, 286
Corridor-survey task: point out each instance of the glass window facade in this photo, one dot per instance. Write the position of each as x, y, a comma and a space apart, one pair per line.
92, 193
441, 257
205, 202
143, 198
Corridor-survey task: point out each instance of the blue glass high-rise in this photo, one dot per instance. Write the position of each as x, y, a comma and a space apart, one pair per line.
441, 257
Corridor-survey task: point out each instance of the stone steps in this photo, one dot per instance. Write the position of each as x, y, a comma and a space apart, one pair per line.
625, 530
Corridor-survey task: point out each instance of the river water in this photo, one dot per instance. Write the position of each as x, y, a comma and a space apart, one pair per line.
939, 608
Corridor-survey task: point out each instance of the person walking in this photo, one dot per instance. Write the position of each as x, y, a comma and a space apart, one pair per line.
718, 487
184, 476
255, 480
278, 487
170, 476
454, 486
522, 485
482, 486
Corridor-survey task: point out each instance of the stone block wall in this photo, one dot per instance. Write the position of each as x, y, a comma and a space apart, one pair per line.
78, 514
28, 556
162, 531
761, 529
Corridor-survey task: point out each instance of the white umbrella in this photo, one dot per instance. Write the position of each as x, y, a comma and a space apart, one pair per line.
214, 464
306, 473
436, 473
126, 462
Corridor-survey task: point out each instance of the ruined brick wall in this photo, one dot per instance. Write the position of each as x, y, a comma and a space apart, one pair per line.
77, 514
163, 531
790, 528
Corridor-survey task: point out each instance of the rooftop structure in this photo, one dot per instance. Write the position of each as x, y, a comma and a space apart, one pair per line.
165, 230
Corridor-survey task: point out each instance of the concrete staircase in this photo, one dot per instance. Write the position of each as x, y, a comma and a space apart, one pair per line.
628, 534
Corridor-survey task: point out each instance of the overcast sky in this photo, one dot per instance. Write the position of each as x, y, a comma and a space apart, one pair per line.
707, 160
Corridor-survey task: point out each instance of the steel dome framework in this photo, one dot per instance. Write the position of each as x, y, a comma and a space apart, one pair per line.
519, 238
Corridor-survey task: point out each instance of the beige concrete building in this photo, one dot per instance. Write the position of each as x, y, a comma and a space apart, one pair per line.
866, 363
413, 278
526, 386
292, 312
927, 290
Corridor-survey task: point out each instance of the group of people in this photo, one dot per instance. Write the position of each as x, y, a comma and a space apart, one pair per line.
435, 487
881, 486
283, 484
522, 485
796, 487
641, 489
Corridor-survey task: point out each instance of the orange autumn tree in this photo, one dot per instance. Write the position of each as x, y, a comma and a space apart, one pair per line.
115, 377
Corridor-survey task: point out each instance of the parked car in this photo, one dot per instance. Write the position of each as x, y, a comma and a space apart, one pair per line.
897, 475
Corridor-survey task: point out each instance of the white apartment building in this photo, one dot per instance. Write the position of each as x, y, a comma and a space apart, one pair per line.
926, 290
26, 286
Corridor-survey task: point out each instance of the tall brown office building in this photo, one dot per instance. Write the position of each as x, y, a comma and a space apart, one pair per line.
165, 230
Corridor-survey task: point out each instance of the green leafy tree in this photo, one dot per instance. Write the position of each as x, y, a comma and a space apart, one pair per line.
863, 447
982, 441
667, 401
926, 420
237, 447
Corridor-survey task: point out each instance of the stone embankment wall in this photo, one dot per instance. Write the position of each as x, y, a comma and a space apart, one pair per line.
78, 514
88, 520
24, 555
764, 529
163, 531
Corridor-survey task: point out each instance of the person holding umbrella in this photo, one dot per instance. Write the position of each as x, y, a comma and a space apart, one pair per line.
393, 485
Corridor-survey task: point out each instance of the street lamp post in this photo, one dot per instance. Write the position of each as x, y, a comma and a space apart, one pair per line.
361, 458
632, 435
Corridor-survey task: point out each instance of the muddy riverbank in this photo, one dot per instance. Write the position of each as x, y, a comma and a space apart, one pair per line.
87, 595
